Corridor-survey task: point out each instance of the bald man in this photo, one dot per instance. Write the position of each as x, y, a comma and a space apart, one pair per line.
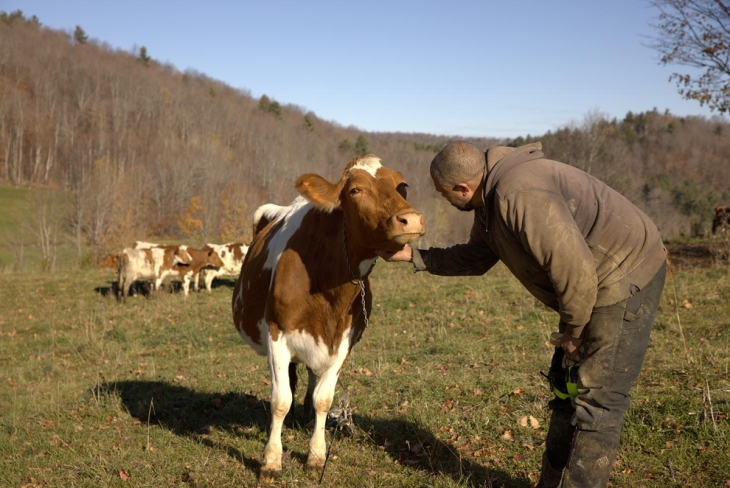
583, 250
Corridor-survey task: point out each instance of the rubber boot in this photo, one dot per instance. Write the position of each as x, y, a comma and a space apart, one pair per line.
549, 476
557, 444
591, 458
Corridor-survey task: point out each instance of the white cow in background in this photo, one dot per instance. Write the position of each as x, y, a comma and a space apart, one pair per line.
231, 254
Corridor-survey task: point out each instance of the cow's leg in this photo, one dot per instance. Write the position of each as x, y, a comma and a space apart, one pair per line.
323, 394
186, 283
121, 287
209, 280
281, 398
196, 282
293, 378
311, 383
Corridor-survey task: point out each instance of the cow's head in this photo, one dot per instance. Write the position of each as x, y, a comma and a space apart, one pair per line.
109, 261
214, 259
182, 256
373, 200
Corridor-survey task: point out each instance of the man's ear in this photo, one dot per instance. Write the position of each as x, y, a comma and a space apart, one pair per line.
319, 192
462, 188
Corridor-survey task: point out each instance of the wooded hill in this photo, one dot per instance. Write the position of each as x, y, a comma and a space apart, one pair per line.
129, 148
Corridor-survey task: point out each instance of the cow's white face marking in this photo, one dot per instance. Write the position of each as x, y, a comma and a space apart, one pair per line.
369, 165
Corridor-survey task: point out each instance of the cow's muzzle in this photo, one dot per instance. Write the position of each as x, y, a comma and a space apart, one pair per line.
406, 226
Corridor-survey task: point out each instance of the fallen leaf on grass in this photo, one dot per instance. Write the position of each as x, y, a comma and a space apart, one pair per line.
508, 435
687, 305
362, 370
531, 421
124, 475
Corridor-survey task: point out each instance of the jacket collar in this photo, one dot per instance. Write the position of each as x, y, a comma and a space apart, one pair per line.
500, 160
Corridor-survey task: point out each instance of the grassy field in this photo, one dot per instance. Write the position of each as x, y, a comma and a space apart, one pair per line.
12, 200
442, 386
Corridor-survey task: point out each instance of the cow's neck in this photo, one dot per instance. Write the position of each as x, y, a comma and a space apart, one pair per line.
359, 260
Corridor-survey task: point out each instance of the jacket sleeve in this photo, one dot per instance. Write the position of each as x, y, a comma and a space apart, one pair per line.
471, 259
543, 223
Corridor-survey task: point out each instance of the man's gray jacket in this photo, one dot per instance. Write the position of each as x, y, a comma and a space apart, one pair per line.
572, 241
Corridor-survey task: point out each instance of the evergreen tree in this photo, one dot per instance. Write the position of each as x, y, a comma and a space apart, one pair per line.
309, 122
361, 145
143, 57
270, 106
9, 18
80, 36
345, 145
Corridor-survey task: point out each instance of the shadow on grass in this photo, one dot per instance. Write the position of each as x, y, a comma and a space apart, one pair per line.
190, 413
143, 288
420, 449
223, 283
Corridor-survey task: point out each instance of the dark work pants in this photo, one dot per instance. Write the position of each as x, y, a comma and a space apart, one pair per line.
614, 345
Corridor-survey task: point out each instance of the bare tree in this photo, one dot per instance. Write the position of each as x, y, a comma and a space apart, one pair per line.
696, 34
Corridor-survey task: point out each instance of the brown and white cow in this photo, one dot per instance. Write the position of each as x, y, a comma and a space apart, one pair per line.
151, 264
199, 259
109, 261
721, 220
298, 298
231, 254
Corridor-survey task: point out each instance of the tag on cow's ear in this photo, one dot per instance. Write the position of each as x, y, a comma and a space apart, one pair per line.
319, 192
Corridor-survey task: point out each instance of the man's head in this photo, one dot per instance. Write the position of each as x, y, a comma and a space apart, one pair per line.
458, 172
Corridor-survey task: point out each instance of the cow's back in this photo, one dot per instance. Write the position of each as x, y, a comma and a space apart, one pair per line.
253, 292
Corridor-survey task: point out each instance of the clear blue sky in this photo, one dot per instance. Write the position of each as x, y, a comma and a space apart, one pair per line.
471, 68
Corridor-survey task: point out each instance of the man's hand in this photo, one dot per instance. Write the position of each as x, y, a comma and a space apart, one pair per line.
404, 255
570, 346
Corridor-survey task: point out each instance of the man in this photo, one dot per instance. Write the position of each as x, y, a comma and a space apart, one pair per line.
583, 250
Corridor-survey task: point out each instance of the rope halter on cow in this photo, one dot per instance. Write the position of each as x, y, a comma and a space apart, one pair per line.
355, 279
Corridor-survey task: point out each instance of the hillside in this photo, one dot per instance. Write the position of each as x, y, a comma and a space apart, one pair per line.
136, 148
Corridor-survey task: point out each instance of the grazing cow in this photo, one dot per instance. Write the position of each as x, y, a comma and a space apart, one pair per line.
152, 264
199, 259
303, 294
721, 220
231, 255
109, 261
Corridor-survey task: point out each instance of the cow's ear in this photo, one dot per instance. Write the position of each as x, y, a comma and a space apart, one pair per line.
320, 192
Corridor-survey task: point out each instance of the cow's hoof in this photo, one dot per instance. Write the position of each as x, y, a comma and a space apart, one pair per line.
269, 474
315, 464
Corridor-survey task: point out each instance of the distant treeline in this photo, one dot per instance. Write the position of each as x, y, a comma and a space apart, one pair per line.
133, 147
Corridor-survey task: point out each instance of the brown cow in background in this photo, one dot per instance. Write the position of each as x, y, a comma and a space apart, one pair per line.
721, 220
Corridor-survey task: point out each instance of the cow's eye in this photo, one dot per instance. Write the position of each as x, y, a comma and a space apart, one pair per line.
403, 190
354, 191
